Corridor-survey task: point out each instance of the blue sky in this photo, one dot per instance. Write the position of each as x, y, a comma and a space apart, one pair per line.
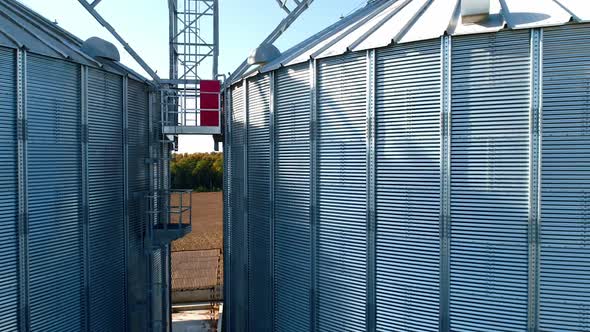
144, 24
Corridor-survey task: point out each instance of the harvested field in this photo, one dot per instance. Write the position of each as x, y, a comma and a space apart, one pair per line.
195, 258
194, 269
207, 215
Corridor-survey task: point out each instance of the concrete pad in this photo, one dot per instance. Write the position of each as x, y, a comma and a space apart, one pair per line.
191, 321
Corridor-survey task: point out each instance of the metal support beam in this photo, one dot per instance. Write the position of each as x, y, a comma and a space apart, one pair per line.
371, 192
95, 3
445, 184
246, 248
152, 204
172, 30
166, 286
272, 188
283, 5
85, 305
313, 192
164, 151
228, 179
125, 141
194, 25
128, 48
215, 39
193, 45
23, 192
535, 127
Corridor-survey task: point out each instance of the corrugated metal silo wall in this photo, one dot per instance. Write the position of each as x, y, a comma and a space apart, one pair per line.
138, 138
239, 242
434, 186
341, 186
292, 230
565, 223
9, 208
54, 194
67, 243
489, 181
106, 238
408, 186
258, 177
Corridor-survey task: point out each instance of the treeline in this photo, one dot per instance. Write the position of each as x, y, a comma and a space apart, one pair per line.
197, 171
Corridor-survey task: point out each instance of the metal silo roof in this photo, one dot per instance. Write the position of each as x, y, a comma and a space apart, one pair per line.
384, 22
21, 27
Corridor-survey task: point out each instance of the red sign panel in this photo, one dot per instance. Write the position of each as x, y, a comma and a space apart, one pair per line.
209, 101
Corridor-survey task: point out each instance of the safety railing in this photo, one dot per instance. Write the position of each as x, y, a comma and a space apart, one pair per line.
173, 212
192, 109
180, 208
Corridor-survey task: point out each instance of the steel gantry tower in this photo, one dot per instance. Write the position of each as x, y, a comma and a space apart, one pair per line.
194, 39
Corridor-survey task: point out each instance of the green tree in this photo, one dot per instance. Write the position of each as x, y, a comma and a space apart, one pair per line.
197, 171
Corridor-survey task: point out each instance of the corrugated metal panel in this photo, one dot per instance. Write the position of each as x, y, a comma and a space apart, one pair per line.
138, 187
239, 257
408, 187
373, 26
106, 229
54, 166
8, 193
433, 23
342, 180
292, 225
363, 28
565, 223
259, 231
387, 31
489, 182
301, 52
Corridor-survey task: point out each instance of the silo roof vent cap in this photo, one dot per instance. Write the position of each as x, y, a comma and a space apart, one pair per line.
100, 48
263, 54
474, 11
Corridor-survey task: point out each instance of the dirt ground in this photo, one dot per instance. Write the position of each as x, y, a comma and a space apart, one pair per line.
207, 219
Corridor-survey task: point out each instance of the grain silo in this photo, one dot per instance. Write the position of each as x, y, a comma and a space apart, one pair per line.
81, 169
421, 165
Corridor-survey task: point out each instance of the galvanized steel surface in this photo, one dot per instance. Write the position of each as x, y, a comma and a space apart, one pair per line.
239, 256
408, 186
565, 194
387, 22
341, 186
8, 192
259, 211
54, 196
292, 243
106, 237
64, 169
479, 187
489, 181
227, 211
138, 122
